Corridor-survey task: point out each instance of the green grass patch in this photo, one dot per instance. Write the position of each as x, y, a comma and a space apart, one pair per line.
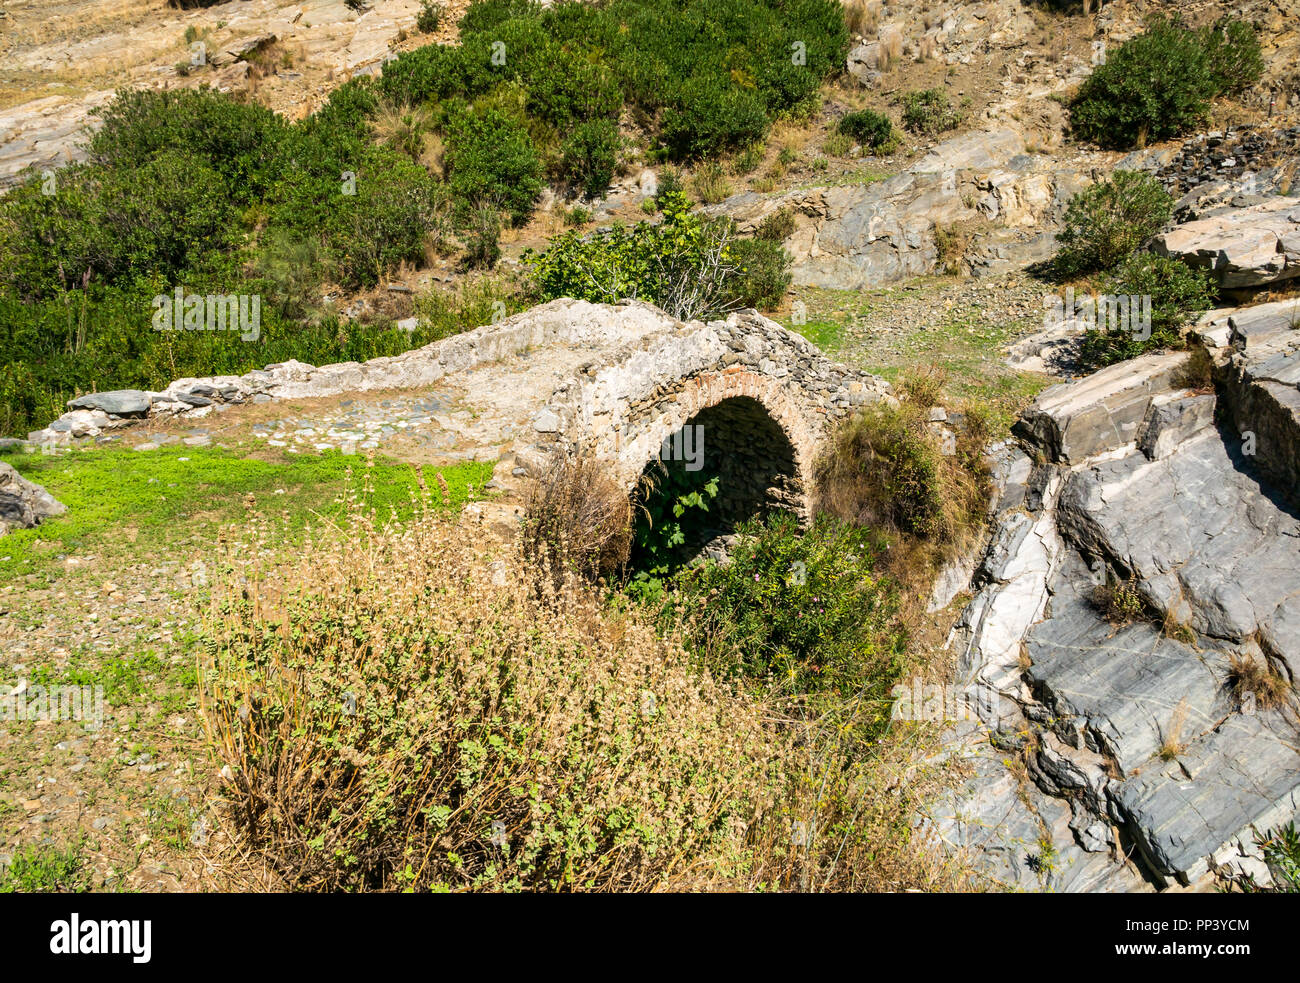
45, 869
825, 334
965, 343
123, 500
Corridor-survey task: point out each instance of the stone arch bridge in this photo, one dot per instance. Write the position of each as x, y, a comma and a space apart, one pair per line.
613, 380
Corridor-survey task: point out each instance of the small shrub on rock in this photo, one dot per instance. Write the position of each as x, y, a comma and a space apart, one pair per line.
1179, 294
429, 17
684, 264
929, 112
1106, 223
590, 155
870, 129
762, 273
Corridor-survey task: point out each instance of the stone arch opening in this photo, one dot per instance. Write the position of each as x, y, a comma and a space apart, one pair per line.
736, 442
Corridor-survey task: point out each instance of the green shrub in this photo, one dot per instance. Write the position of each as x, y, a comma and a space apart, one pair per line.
1232, 55
429, 17
668, 185
290, 271
711, 115
804, 610
568, 89
762, 273
1179, 294
1159, 84
239, 142
929, 112
776, 227
683, 264
491, 158
486, 15
870, 129
590, 155
482, 233
111, 225
886, 469
1107, 222
389, 222
436, 72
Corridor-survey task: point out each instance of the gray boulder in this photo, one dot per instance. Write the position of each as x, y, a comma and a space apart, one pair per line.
24, 504
120, 402
1242, 247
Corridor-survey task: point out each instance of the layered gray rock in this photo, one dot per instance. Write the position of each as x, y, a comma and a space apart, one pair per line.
1076, 420
120, 402
23, 503
1241, 247
1262, 390
859, 235
1133, 719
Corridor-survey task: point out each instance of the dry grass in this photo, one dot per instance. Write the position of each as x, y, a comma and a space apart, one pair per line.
1196, 373
401, 710
577, 519
923, 385
710, 184
1172, 744
928, 486
1255, 680
891, 48
862, 17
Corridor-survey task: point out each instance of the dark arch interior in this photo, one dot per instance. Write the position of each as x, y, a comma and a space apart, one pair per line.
738, 443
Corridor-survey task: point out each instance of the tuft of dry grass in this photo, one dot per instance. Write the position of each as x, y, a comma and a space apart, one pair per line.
1196, 372
1255, 680
577, 519
891, 48
862, 17
710, 183
928, 484
923, 385
1172, 744
407, 129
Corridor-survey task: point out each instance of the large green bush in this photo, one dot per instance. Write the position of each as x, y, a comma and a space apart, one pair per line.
590, 156
491, 158
1160, 83
238, 141
689, 266
1179, 294
1107, 222
711, 115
